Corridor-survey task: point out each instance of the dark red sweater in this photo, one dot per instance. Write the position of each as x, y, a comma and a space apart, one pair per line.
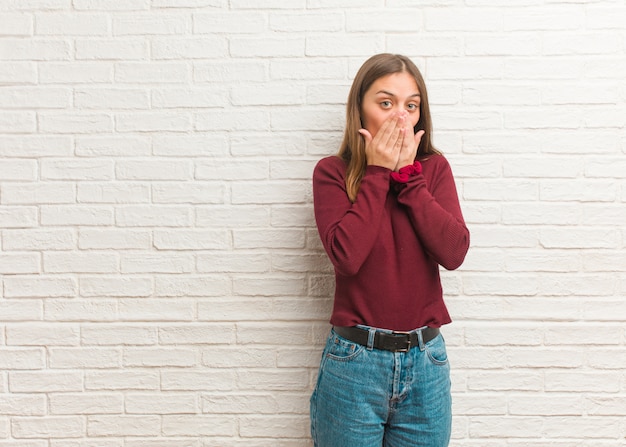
387, 246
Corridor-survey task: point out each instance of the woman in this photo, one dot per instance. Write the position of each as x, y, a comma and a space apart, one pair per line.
388, 215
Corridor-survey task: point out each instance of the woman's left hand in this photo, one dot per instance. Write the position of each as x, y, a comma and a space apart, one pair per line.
408, 151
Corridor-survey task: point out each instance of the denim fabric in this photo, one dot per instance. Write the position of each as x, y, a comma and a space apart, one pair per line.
372, 398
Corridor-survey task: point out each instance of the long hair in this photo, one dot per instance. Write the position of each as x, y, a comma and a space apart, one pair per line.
352, 148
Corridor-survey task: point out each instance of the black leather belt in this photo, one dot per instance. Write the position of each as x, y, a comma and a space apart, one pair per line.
394, 341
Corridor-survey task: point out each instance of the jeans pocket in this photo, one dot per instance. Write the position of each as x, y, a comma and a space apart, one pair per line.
343, 350
436, 351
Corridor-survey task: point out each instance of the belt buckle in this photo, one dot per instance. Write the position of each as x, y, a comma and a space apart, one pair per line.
407, 348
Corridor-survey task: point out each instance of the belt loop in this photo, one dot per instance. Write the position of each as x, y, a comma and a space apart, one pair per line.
420, 339
370, 338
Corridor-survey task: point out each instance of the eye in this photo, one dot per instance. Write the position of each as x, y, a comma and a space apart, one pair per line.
413, 106
385, 104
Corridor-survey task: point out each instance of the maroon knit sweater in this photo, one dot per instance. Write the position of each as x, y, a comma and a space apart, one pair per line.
387, 246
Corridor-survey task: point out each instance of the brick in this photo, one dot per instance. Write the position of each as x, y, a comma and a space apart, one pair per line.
170, 403
157, 263
179, 425
154, 170
578, 238
80, 310
192, 240
20, 264
68, 215
17, 122
186, 3
310, 22
75, 72
463, 19
123, 425
16, 25
161, 72
84, 358
193, 286
268, 193
37, 193
56, 24
147, 216
25, 405
115, 286
184, 48
45, 382
249, 239
198, 193
267, 46
85, 403
48, 427
113, 239
348, 45
292, 216
113, 192
404, 20
276, 426
43, 335
112, 49
232, 23
35, 146
152, 24
70, 123
77, 169
34, 98
249, 262
228, 71
222, 310
28, 310
37, 239
565, 17
189, 98
152, 121
109, 98
105, 335
197, 334
156, 310
272, 94
34, 50
235, 216
122, 380
217, 169
264, 144
208, 380
111, 5
192, 146
163, 357
39, 286
21, 358
112, 146
512, 44
18, 73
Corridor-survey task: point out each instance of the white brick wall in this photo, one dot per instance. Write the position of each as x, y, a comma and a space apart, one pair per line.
162, 283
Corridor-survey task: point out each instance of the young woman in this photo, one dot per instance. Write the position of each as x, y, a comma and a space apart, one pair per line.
388, 216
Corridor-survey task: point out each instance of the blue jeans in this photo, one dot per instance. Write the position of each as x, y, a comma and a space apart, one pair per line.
373, 398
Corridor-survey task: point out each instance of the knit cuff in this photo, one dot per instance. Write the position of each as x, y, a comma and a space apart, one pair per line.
404, 174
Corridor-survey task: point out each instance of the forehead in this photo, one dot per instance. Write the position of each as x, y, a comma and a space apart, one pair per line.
400, 84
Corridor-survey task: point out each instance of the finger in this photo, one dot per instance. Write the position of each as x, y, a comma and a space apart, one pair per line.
418, 137
366, 136
388, 131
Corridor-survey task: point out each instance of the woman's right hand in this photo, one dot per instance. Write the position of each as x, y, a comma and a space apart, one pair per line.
384, 148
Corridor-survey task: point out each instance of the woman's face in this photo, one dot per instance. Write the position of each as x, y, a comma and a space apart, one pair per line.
393, 93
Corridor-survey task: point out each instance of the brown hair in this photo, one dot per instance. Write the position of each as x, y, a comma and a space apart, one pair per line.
352, 148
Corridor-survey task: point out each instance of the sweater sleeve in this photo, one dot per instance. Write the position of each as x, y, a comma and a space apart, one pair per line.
435, 214
348, 230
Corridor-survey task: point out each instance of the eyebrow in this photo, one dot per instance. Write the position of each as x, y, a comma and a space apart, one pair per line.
385, 92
